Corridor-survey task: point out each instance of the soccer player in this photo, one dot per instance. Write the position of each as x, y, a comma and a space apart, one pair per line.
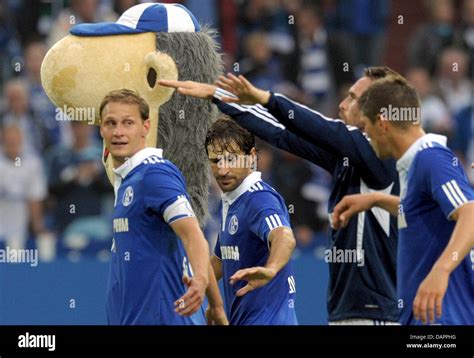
255, 239
435, 276
361, 291
152, 222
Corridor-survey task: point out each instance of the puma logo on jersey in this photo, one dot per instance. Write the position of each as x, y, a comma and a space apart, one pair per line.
121, 225
230, 253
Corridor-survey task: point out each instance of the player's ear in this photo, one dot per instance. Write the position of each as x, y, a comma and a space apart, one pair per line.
382, 123
252, 157
146, 127
100, 129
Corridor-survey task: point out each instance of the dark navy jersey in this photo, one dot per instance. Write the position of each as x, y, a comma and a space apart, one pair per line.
148, 259
248, 215
365, 287
434, 185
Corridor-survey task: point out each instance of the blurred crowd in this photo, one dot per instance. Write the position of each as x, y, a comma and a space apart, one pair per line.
53, 190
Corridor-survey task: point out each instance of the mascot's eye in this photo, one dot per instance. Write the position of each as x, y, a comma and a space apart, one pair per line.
151, 77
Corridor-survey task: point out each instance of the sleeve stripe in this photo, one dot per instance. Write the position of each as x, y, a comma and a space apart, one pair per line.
278, 220
257, 110
219, 93
459, 191
268, 223
453, 192
272, 219
273, 121
448, 195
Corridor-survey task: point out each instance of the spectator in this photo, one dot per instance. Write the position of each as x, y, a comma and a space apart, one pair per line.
22, 190
76, 178
18, 112
453, 80
432, 37
435, 115
323, 59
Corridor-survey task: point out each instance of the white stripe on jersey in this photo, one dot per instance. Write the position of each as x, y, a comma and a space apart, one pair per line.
257, 110
269, 119
459, 191
448, 195
272, 219
278, 220
453, 192
268, 223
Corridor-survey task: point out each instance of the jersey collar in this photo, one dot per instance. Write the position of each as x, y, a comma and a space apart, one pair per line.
123, 170
250, 180
404, 163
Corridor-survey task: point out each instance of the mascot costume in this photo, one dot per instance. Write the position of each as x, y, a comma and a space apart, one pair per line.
149, 42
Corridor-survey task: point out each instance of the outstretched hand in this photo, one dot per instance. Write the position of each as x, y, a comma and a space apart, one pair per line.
191, 88
245, 92
255, 276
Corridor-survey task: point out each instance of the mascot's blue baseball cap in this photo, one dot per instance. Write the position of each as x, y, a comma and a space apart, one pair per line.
147, 17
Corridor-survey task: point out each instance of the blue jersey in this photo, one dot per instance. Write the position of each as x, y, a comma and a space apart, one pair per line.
435, 186
249, 214
148, 259
365, 287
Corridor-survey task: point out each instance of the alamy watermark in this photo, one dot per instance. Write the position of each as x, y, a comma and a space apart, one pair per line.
346, 256
76, 114
237, 161
29, 256
401, 114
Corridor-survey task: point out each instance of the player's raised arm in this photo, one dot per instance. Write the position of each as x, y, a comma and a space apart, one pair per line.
191, 88
282, 244
267, 129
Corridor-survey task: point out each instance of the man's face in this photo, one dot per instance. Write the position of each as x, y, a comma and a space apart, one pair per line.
348, 108
123, 130
12, 142
230, 168
378, 137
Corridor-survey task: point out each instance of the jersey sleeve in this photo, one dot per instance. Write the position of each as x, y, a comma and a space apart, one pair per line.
333, 135
266, 215
165, 193
257, 120
447, 181
296, 128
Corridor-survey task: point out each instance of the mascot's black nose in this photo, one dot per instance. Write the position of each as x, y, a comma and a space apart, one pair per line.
151, 77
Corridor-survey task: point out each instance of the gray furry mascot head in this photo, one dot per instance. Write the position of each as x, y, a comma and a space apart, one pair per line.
148, 42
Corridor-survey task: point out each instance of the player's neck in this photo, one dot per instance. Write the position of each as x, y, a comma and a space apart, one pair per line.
405, 139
